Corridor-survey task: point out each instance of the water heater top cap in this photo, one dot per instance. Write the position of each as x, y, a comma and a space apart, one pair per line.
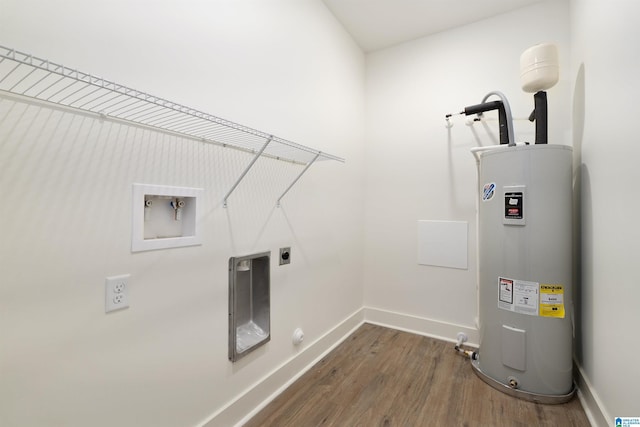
539, 69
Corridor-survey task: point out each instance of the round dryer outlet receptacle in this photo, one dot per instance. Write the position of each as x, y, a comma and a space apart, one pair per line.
285, 256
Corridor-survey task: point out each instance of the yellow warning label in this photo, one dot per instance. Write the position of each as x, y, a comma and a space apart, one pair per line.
552, 301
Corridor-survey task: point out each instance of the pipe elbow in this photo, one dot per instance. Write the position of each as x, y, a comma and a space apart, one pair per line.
509, 117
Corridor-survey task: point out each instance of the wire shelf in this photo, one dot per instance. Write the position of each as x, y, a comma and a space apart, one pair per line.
41, 79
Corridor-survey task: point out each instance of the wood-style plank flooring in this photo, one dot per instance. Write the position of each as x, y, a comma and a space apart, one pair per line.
384, 377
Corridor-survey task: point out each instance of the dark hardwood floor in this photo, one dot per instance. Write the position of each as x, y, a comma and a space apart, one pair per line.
384, 377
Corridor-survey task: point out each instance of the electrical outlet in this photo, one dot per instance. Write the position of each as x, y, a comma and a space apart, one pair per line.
118, 299
116, 293
285, 256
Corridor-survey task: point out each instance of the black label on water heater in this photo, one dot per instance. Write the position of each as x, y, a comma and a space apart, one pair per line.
513, 205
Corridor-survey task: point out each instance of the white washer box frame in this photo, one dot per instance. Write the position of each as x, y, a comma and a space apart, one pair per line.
192, 237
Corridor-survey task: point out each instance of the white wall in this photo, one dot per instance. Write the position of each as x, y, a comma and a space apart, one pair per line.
283, 66
419, 170
604, 96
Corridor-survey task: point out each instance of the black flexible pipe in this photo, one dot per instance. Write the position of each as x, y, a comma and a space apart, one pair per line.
540, 116
502, 116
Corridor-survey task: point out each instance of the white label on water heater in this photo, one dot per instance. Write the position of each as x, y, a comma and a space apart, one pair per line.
518, 296
514, 201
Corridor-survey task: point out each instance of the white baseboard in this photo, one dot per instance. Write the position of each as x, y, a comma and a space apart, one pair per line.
275, 382
590, 401
420, 325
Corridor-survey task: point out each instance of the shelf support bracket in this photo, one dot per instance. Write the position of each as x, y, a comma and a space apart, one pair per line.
298, 177
246, 170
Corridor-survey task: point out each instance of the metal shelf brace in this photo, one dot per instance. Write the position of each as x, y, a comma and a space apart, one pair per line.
298, 177
249, 166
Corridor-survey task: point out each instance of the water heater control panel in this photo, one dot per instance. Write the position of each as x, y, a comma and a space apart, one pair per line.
514, 204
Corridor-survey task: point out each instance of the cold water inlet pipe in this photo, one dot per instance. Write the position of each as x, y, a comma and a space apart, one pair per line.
471, 354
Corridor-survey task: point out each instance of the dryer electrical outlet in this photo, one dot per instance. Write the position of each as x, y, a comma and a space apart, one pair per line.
285, 256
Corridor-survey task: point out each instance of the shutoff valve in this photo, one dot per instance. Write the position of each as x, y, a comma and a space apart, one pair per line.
177, 205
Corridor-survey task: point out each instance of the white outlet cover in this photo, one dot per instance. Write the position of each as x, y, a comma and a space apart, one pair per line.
116, 292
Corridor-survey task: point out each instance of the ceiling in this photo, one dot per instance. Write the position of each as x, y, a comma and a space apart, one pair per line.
376, 24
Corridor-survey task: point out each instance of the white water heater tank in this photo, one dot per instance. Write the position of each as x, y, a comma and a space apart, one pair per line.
525, 265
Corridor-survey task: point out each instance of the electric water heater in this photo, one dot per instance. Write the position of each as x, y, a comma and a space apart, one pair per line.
525, 265
525, 305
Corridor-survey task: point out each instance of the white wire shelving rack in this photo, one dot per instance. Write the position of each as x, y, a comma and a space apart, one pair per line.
36, 78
